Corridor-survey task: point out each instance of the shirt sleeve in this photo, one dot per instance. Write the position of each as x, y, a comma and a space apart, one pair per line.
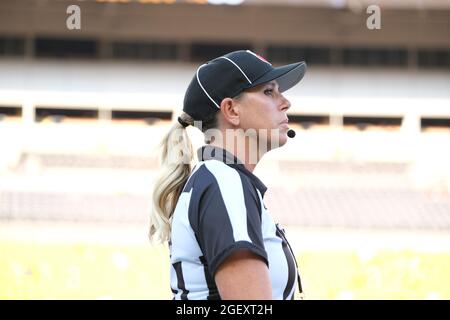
229, 220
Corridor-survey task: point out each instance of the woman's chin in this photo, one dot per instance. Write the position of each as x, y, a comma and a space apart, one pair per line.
283, 135
283, 139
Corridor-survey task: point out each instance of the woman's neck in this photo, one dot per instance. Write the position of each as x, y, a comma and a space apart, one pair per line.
243, 148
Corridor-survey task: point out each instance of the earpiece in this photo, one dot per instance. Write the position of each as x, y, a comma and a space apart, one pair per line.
291, 133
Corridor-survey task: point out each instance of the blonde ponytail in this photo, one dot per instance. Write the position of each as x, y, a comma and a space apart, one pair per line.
176, 161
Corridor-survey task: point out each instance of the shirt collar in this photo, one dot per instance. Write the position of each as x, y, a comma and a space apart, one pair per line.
209, 152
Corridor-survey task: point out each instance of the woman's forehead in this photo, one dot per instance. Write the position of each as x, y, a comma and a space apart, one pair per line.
272, 83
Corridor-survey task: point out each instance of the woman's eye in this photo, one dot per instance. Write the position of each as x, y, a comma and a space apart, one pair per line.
268, 91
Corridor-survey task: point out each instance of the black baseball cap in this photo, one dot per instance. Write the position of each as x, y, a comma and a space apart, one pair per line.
229, 75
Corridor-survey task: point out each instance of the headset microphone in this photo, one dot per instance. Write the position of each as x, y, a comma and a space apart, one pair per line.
291, 133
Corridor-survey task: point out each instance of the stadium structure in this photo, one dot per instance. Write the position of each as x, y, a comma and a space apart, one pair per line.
82, 111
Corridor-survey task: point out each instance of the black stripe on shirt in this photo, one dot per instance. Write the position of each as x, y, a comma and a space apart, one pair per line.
211, 222
213, 292
291, 266
253, 208
180, 279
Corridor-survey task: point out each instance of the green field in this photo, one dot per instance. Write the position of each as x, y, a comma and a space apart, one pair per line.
85, 271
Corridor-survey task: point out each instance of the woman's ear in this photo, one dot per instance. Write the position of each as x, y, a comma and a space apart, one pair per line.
230, 111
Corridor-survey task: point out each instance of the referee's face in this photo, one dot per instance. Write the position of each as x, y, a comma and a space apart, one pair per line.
264, 109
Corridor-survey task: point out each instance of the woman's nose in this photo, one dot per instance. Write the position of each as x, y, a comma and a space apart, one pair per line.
286, 104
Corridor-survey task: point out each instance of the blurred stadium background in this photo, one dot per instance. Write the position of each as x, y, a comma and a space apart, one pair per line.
363, 190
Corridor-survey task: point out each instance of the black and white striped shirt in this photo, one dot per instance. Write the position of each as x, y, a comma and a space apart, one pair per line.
219, 211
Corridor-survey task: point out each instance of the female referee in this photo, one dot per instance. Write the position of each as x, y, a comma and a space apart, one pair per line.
223, 242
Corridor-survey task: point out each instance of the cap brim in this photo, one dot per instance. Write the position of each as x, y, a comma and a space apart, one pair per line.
286, 76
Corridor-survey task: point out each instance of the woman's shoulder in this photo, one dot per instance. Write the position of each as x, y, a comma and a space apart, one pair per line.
215, 168
214, 173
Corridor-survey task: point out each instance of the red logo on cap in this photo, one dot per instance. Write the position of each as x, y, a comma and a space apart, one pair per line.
259, 57
262, 58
